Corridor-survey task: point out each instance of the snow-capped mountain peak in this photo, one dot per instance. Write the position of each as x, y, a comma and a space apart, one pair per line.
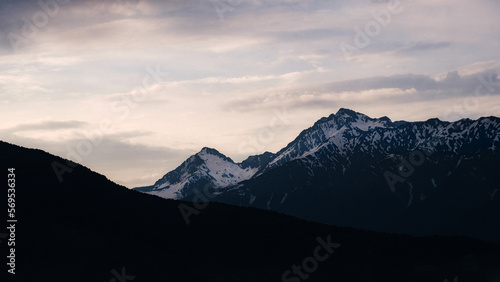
335, 129
337, 140
222, 170
353, 170
208, 166
206, 152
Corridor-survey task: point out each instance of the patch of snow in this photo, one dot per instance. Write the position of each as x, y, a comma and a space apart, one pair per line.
270, 199
410, 192
368, 124
283, 200
223, 172
252, 198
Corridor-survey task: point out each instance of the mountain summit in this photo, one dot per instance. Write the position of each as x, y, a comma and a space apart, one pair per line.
211, 167
430, 177
336, 130
208, 166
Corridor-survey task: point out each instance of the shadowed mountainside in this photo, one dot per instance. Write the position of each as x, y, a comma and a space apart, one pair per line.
83, 228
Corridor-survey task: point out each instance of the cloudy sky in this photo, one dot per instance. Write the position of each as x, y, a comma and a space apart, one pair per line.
131, 88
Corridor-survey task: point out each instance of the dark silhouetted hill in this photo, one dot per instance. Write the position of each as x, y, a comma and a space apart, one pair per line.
83, 228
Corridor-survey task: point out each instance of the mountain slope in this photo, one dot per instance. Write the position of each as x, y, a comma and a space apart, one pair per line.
420, 178
206, 167
87, 228
335, 129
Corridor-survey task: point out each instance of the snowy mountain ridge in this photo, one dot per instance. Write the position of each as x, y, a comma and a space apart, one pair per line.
208, 165
331, 141
328, 130
420, 178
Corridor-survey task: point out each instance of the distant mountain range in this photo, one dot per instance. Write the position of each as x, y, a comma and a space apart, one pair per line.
420, 178
87, 228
